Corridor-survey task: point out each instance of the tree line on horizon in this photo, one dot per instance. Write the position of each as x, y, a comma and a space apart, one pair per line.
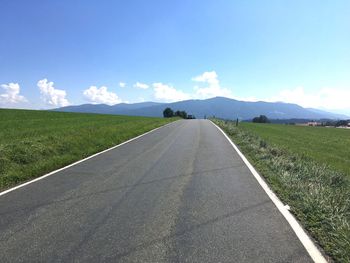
168, 113
261, 119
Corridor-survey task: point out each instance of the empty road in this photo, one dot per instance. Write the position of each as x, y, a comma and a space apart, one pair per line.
178, 194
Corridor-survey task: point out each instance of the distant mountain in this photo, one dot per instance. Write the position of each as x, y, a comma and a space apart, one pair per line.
336, 115
121, 108
219, 106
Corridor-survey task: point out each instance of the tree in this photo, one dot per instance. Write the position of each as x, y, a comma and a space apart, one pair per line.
181, 114
168, 113
261, 119
184, 114
341, 123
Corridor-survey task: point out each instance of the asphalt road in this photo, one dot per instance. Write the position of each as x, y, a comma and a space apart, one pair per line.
178, 194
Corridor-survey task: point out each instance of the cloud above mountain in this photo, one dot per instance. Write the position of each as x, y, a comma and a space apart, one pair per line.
326, 98
211, 87
168, 93
101, 95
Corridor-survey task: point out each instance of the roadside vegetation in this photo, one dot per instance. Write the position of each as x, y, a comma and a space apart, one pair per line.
325, 145
308, 168
33, 143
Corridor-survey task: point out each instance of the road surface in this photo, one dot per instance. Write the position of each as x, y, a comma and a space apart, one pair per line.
178, 194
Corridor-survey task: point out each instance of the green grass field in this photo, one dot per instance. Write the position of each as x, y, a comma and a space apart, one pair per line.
308, 168
33, 143
329, 146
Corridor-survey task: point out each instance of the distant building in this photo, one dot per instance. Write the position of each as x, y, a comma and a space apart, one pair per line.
313, 123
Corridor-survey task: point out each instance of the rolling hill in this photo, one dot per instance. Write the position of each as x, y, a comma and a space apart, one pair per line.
219, 106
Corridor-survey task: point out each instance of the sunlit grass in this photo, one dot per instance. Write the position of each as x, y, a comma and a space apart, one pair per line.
33, 143
330, 146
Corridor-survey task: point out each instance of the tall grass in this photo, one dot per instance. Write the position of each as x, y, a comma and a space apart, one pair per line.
324, 145
318, 194
33, 143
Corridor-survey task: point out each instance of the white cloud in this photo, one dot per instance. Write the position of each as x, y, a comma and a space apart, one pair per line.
168, 93
11, 96
326, 98
208, 76
250, 98
52, 96
141, 85
101, 95
212, 89
122, 84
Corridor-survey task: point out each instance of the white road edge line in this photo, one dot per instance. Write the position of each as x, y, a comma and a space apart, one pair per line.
310, 247
82, 160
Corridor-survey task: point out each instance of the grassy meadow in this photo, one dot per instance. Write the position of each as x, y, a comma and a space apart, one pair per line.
308, 168
330, 146
33, 143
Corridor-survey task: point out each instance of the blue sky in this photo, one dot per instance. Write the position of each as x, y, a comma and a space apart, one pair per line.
55, 53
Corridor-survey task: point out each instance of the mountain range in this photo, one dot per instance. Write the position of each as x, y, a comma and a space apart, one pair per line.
219, 106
